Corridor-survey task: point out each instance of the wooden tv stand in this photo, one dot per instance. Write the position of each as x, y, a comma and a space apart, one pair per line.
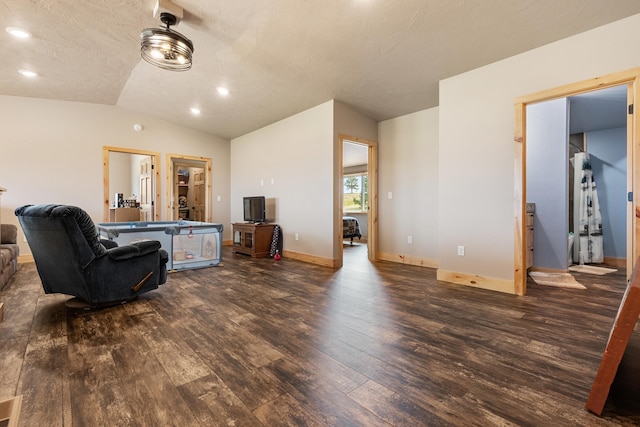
252, 239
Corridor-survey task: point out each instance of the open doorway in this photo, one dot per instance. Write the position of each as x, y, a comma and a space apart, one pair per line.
189, 188
132, 174
358, 196
572, 144
355, 195
630, 80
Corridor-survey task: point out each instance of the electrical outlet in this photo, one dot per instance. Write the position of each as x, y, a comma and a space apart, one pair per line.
296, 236
461, 250
262, 182
410, 239
219, 198
390, 195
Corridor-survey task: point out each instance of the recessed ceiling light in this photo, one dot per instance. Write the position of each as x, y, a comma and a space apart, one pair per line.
222, 90
19, 33
195, 111
28, 73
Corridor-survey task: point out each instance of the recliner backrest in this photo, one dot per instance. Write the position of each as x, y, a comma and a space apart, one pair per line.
64, 241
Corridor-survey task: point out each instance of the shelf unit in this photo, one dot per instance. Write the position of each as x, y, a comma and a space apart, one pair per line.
183, 194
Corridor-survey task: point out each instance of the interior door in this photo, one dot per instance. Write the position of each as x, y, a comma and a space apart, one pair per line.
146, 189
199, 186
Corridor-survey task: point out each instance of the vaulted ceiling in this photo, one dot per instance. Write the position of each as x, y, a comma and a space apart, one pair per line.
384, 58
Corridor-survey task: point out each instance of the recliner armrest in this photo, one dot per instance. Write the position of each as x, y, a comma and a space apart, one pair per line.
147, 246
134, 250
109, 244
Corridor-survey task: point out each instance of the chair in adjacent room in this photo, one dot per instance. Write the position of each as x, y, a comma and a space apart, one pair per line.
72, 259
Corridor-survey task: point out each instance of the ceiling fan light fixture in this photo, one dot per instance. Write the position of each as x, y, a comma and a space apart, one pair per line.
165, 48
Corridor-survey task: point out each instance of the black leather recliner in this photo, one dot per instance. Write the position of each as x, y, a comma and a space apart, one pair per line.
72, 259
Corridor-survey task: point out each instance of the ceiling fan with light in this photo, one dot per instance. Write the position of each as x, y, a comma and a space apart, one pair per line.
164, 47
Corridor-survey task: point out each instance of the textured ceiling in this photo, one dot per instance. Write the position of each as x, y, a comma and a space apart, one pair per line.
382, 57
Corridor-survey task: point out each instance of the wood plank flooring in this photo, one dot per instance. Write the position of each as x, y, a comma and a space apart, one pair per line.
266, 343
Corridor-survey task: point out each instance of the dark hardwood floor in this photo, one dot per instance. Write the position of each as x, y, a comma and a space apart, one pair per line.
276, 343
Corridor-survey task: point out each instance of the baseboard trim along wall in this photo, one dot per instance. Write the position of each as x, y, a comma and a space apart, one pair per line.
548, 270
311, 259
407, 259
615, 262
490, 283
23, 259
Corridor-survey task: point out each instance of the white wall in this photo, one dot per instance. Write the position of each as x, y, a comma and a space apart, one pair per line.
135, 160
52, 152
296, 154
295, 162
476, 140
547, 181
608, 150
409, 169
120, 174
124, 175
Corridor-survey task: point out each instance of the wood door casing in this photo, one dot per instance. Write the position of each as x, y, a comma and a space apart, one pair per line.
629, 77
176, 162
154, 176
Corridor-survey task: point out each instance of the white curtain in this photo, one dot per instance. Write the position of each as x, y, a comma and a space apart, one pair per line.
590, 221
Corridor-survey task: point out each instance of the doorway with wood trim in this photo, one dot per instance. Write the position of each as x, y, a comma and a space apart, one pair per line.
134, 174
188, 188
629, 78
362, 174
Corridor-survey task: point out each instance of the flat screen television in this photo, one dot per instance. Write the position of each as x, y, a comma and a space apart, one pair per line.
254, 209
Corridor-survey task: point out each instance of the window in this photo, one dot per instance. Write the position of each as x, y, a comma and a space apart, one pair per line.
355, 191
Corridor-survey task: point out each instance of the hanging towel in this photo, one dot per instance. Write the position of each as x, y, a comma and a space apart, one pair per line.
590, 219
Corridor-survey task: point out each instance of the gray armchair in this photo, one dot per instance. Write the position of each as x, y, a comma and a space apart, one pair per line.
9, 251
71, 259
